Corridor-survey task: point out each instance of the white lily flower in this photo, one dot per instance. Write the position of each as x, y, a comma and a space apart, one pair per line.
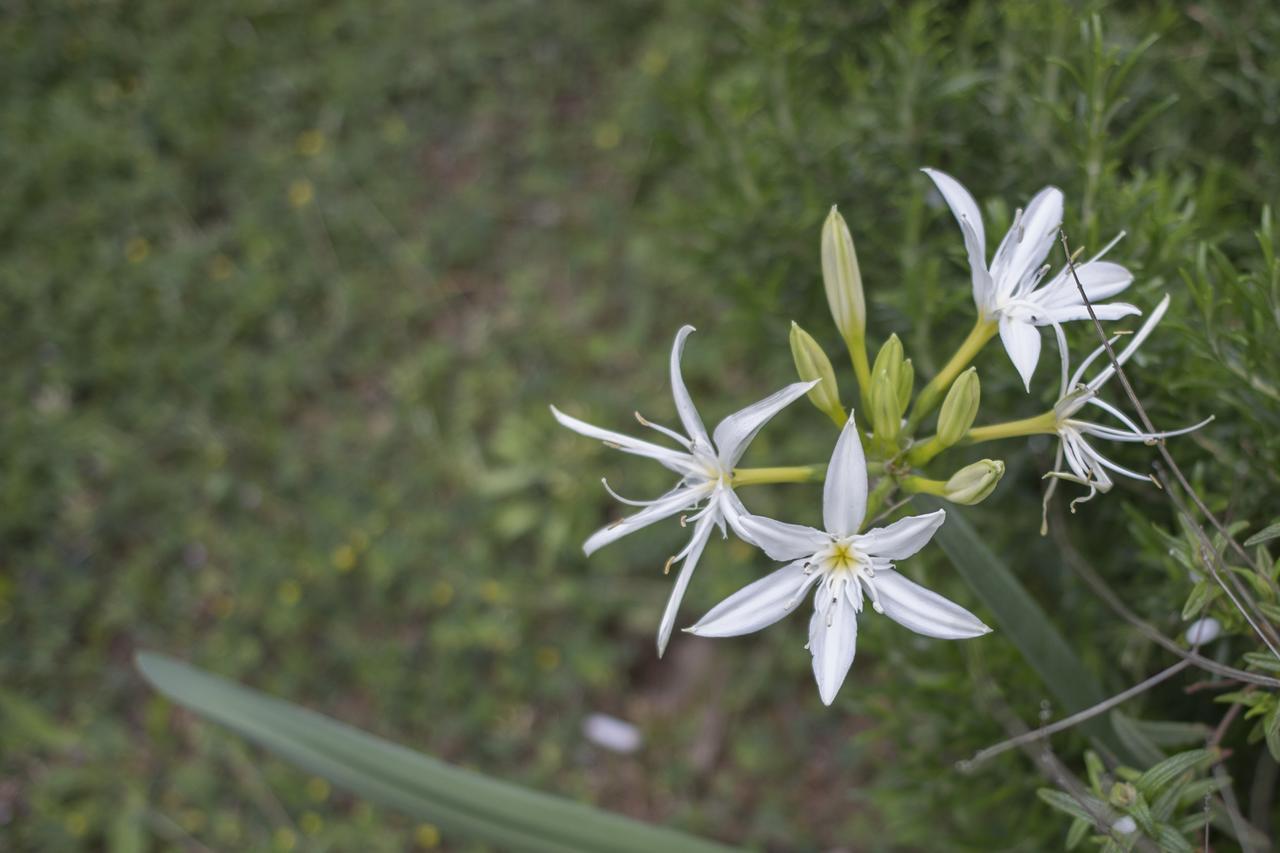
845, 566
705, 465
1087, 466
1009, 291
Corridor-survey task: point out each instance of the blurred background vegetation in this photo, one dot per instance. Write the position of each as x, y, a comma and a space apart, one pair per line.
287, 285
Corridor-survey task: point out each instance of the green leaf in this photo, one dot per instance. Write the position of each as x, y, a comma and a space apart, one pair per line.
1135, 739
1266, 534
1079, 829
1064, 802
1151, 782
460, 801
1022, 620
1173, 841
1271, 730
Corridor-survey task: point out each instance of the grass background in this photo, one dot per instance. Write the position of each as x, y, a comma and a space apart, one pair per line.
286, 287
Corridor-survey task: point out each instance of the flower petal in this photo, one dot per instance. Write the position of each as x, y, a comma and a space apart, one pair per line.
1100, 279
679, 462
967, 214
833, 640
844, 494
1022, 342
780, 540
1079, 311
735, 432
757, 605
681, 497
902, 538
923, 610
684, 403
1028, 242
693, 553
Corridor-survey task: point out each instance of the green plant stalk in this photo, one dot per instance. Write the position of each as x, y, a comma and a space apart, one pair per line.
861, 369
877, 497
914, 485
923, 453
983, 331
789, 474
1044, 424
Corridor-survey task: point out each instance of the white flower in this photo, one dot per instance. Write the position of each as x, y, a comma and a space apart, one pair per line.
845, 565
1088, 466
1009, 291
705, 465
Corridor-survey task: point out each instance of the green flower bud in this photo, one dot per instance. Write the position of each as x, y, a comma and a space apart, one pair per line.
1123, 795
812, 363
886, 417
843, 280
972, 483
889, 360
959, 408
906, 381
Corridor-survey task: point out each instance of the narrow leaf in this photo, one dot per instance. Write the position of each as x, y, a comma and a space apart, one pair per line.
460, 801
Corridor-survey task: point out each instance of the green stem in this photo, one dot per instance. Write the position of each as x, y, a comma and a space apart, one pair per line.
857, 347
789, 474
914, 485
923, 452
983, 330
1045, 424
876, 498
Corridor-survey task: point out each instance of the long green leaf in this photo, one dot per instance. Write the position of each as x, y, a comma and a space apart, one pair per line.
1025, 623
459, 800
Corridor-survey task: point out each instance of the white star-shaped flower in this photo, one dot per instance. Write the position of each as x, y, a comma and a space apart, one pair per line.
1089, 467
705, 465
1010, 292
846, 566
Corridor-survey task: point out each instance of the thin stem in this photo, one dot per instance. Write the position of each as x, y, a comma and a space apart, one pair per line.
1080, 716
983, 330
788, 474
861, 370
914, 485
1043, 424
1211, 555
877, 496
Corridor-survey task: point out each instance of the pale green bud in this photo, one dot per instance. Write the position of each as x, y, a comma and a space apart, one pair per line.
972, 483
842, 279
812, 363
889, 360
886, 417
960, 408
1123, 795
906, 381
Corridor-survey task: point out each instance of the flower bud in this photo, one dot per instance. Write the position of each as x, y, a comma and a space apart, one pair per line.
889, 360
886, 417
842, 279
906, 382
812, 363
1122, 795
972, 483
959, 408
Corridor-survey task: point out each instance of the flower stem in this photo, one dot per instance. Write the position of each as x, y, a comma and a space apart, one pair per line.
861, 369
914, 485
877, 497
789, 474
983, 330
1045, 424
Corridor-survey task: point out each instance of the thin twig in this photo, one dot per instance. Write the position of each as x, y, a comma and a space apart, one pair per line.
1078, 717
1206, 545
1081, 567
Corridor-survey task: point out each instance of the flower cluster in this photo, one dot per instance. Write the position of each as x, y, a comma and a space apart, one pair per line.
852, 560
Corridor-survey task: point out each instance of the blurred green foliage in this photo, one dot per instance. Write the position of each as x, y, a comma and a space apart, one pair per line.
286, 287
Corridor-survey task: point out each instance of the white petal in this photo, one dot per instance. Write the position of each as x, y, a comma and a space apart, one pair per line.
681, 497
966, 212
735, 432
684, 403
758, 604
732, 510
923, 610
701, 533
1022, 341
1079, 311
780, 540
679, 462
1131, 347
1028, 242
902, 538
833, 640
1101, 280
844, 494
